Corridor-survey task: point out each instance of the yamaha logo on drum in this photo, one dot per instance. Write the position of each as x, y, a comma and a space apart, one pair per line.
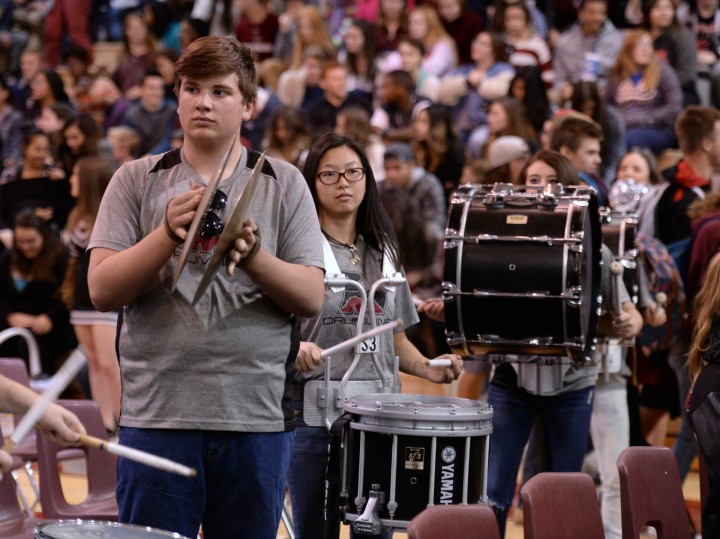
448, 454
447, 482
414, 458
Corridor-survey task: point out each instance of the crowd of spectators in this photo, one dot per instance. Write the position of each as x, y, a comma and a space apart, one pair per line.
438, 93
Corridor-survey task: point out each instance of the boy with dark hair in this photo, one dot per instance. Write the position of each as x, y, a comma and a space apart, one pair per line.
393, 119
579, 140
153, 117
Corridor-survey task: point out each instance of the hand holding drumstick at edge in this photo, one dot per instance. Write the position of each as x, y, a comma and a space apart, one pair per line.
56, 422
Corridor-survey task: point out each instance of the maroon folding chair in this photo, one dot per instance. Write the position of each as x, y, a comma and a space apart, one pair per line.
100, 503
651, 493
561, 505
455, 522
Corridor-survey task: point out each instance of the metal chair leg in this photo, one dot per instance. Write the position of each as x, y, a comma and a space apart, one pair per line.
33, 484
21, 495
287, 519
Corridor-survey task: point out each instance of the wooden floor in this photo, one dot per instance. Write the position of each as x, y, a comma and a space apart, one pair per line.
75, 483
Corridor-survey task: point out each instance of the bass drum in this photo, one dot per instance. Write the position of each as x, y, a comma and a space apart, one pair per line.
522, 272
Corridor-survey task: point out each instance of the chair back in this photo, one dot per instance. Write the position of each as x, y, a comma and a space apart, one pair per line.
101, 471
10, 509
651, 493
561, 505
455, 522
16, 370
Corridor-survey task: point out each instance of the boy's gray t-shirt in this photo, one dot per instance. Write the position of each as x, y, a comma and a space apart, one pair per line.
222, 364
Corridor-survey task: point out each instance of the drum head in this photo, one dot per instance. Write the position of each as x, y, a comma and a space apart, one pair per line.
78, 529
421, 414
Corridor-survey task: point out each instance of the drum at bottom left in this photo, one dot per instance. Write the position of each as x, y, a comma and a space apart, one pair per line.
78, 529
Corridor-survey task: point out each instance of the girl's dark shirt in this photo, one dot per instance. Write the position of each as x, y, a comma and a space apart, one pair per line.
41, 192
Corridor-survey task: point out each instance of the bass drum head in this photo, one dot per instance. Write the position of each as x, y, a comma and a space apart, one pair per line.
79, 529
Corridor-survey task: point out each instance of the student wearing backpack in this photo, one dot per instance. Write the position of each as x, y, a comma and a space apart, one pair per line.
698, 133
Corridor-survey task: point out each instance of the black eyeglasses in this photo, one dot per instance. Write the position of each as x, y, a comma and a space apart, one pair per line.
212, 224
330, 177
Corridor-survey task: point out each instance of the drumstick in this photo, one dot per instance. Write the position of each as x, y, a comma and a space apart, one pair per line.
59, 382
616, 269
138, 456
360, 338
442, 362
661, 299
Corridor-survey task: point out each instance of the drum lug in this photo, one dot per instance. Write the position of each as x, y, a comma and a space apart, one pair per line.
453, 242
369, 522
324, 396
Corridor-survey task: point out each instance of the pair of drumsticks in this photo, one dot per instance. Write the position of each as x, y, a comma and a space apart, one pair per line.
73, 365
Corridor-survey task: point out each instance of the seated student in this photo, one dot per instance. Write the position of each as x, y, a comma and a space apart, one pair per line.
703, 20
322, 115
424, 188
30, 278
35, 184
440, 54
411, 53
299, 88
593, 41
506, 157
266, 104
124, 142
400, 104
472, 87
527, 47
287, 136
646, 92
153, 117
437, 148
579, 140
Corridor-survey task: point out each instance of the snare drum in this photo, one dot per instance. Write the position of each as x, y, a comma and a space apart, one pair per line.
417, 450
522, 273
77, 529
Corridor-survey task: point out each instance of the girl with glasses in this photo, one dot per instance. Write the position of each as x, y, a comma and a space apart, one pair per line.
359, 235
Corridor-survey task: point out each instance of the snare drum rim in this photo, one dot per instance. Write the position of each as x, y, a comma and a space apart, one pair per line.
40, 534
463, 410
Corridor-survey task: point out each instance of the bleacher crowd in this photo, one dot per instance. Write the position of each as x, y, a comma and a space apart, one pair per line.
438, 92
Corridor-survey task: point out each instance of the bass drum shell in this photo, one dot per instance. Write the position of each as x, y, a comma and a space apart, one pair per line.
537, 297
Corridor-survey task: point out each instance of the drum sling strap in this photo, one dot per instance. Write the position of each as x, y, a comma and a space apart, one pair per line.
333, 476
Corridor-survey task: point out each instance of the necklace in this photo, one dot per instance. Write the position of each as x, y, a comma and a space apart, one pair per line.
354, 258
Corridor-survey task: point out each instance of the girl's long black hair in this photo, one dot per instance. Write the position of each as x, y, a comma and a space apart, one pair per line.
372, 221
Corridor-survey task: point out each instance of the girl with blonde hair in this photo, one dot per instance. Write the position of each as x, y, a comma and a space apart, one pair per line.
646, 92
311, 31
440, 52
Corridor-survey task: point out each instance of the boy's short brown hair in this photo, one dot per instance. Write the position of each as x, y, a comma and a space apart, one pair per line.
694, 125
216, 55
